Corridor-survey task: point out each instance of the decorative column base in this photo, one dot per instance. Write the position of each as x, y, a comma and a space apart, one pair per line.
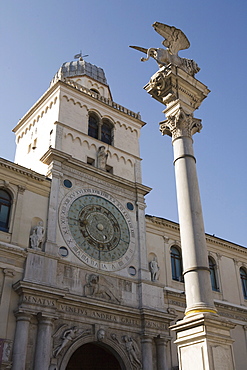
204, 343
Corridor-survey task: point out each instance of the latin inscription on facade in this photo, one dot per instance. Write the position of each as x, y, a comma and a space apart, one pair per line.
39, 300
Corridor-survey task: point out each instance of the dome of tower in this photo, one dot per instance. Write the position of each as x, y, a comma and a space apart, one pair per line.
80, 68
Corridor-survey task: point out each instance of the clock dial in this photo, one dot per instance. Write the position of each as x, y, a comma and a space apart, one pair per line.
97, 229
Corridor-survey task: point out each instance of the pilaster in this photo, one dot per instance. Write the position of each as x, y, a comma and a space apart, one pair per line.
53, 208
5, 300
18, 213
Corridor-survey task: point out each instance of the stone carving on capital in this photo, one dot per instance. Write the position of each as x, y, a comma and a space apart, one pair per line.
9, 272
162, 340
166, 239
64, 336
21, 189
98, 287
180, 124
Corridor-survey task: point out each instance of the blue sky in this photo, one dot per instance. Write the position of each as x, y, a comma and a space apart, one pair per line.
37, 37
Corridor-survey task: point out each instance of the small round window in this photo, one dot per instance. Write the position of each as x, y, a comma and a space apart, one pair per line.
130, 206
67, 183
63, 251
132, 270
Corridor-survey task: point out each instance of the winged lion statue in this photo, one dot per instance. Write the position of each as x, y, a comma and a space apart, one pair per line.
174, 40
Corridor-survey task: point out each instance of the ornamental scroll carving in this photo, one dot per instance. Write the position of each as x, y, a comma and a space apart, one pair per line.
180, 124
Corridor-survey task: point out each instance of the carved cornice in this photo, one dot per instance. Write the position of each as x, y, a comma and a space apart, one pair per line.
171, 84
180, 124
101, 98
22, 170
209, 239
163, 222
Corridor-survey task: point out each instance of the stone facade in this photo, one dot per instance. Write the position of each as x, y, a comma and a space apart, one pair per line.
60, 303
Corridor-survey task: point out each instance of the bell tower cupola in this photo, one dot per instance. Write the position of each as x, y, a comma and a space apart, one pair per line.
77, 118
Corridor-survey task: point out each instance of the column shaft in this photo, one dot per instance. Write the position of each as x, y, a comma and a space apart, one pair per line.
161, 353
147, 357
43, 344
21, 341
194, 250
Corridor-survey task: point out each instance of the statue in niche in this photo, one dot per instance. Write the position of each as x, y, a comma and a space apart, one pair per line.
66, 337
37, 236
95, 288
132, 351
175, 40
102, 158
154, 269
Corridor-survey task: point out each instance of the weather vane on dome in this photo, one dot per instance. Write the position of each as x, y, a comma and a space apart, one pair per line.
80, 56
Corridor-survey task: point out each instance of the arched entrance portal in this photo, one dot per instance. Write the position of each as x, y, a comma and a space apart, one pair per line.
91, 356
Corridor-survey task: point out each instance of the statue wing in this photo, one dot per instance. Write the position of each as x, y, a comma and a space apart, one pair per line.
143, 50
58, 333
175, 39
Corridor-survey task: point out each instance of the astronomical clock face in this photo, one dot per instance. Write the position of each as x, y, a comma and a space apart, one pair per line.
97, 229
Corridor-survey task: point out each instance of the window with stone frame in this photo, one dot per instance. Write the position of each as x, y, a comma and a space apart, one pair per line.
106, 132
176, 263
5, 206
243, 277
93, 126
100, 129
213, 274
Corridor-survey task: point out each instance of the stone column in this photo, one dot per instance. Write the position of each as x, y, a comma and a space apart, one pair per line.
182, 94
203, 339
194, 250
147, 356
43, 343
21, 341
161, 353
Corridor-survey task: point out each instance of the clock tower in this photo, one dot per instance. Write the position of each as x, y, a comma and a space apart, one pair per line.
91, 272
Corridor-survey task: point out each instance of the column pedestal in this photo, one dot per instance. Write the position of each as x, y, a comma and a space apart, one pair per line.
204, 343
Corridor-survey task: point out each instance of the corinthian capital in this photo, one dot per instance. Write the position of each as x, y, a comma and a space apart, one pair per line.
180, 124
